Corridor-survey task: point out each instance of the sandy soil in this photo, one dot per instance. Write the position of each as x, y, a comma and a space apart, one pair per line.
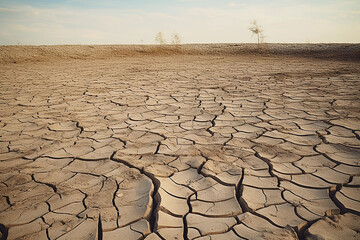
20, 54
187, 142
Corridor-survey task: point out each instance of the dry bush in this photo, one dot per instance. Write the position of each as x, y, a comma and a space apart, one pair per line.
257, 30
176, 40
159, 38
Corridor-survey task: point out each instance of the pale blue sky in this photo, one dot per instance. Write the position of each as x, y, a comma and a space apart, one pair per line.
197, 21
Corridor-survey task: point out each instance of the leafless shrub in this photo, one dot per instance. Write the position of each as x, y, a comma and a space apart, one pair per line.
257, 30
159, 38
176, 40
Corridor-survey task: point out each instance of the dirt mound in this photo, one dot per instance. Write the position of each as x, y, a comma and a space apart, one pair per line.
17, 54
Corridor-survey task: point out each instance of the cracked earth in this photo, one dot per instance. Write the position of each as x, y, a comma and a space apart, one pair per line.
180, 147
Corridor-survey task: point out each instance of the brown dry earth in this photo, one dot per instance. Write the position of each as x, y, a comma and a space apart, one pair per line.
183, 146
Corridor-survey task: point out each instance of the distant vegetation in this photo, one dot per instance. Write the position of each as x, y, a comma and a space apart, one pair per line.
256, 29
159, 38
175, 39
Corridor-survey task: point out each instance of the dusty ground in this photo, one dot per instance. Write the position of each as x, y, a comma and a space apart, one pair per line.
182, 146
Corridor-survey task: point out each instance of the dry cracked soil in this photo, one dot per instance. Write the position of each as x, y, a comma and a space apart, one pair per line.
182, 146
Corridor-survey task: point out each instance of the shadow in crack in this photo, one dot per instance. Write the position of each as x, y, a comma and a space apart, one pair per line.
4, 232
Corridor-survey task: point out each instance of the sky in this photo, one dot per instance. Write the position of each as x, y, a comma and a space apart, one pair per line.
48, 22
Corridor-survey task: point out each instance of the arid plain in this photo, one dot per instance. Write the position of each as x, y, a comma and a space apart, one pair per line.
180, 142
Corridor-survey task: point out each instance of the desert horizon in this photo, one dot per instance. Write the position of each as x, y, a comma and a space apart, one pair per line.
21, 53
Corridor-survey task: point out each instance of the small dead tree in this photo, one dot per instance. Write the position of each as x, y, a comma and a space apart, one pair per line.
160, 39
176, 39
256, 29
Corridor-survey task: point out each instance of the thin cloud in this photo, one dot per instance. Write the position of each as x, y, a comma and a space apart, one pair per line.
11, 10
234, 4
224, 22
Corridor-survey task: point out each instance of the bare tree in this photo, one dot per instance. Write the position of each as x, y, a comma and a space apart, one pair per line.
256, 29
160, 39
176, 39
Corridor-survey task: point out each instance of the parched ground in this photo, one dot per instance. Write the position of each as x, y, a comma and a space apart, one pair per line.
178, 146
